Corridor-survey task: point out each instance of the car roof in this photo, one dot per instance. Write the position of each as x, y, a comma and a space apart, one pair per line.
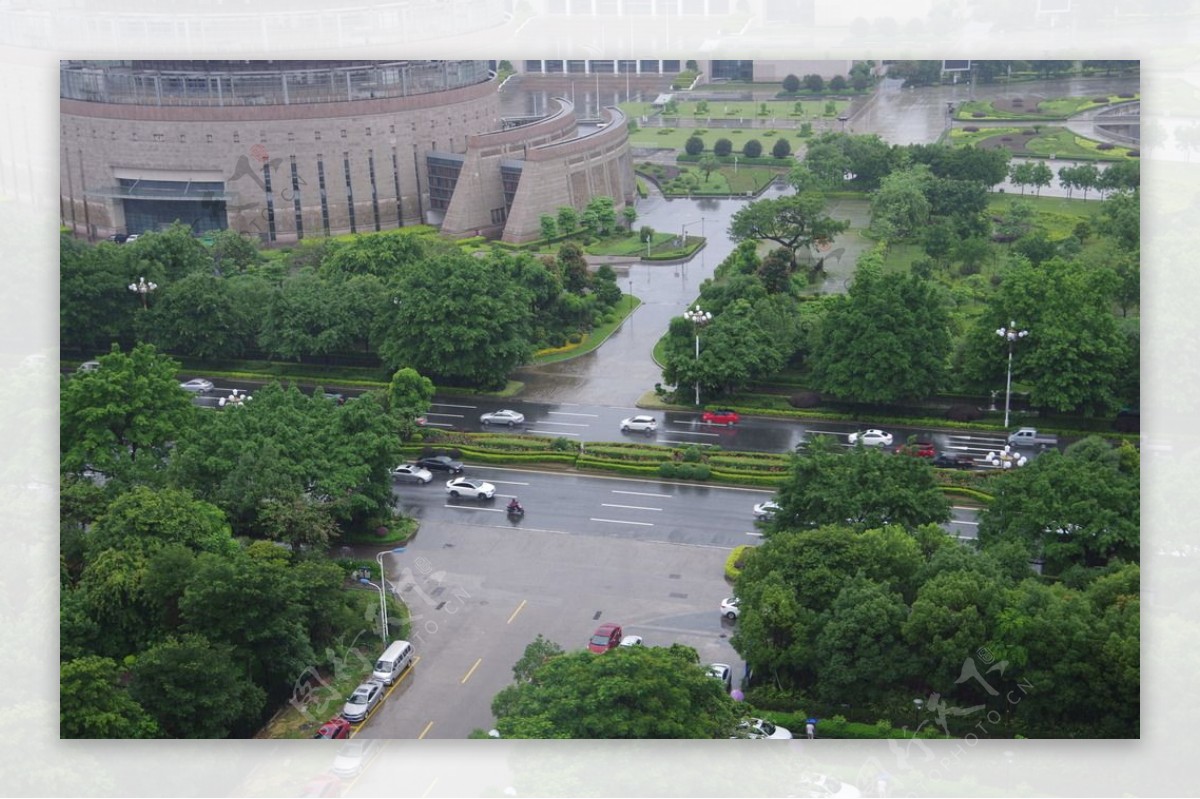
608, 626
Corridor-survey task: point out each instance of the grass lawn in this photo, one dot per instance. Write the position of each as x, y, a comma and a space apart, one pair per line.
797, 109
958, 136
1047, 142
1058, 108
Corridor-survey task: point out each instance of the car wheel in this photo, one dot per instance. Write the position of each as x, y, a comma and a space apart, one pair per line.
624, 428
511, 423
731, 615
454, 494
729, 424
648, 431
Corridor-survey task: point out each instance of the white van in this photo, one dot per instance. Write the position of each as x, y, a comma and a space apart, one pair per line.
392, 663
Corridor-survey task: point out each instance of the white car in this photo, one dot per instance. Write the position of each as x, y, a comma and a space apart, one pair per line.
362, 701
510, 418
88, 366
872, 438
631, 640
197, 385
730, 607
722, 672
645, 424
766, 510
466, 487
412, 473
761, 728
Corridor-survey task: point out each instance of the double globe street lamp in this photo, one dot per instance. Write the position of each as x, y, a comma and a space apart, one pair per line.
698, 318
143, 288
1011, 334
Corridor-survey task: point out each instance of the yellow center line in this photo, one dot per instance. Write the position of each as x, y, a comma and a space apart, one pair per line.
431, 784
425, 731
515, 612
472, 671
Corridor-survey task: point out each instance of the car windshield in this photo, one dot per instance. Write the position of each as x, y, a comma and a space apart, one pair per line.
600, 640
358, 698
767, 727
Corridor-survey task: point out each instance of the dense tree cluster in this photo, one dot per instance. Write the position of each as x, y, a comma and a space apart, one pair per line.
629, 692
194, 585
866, 611
400, 299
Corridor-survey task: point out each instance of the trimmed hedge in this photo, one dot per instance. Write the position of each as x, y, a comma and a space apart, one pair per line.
736, 560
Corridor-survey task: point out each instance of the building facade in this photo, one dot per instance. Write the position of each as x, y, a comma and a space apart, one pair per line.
295, 149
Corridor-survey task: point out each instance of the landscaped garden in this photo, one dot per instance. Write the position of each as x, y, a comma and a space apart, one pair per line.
1041, 141
1033, 108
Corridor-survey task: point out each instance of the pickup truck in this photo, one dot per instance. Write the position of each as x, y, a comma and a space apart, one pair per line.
1030, 437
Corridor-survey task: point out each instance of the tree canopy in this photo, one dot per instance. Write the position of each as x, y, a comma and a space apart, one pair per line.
793, 221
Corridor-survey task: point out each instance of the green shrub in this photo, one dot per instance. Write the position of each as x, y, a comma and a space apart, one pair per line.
692, 454
737, 561
668, 470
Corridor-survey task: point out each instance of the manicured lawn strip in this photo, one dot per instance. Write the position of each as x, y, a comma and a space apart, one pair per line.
1053, 109
968, 137
594, 339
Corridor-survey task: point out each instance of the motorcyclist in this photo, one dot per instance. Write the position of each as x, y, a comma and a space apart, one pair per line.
514, 506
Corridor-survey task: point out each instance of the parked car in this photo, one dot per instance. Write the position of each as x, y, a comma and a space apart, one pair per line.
412, 473
722, 672
644, 424
953, 460
764, 511
336, 727
364, 699
473, 489
631, 640
872, 438
131, 238
607, 636
730, 607
510, 418
761, 728
723, 416
117, 238
197, 385
918, 449
440, 463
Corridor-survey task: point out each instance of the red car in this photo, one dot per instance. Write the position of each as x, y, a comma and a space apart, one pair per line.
723, 416
334, 728
918, 449
607, 636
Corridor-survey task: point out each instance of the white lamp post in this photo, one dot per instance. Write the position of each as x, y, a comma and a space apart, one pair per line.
698, 318
383, 614
1010, 334
236, 399
382, 608
143, 288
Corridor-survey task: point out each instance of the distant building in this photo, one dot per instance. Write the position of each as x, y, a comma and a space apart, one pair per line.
284, 150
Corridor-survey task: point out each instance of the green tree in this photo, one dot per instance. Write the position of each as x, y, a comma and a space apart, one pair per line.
814, 83
1040, 176
124, 415
143, 519
792, 221
1087, 177
380, 254
864, 488
886, 340
791, 84
1121, 218
233, 252
723, 147
1022, 174
169, 254
632, 692
837, 83
782, 148
195, 689
708, 163
630, 214
568, 219
409, 393
1074, 509
548, 225
860, 650
1075, 352
606, 216
899, 208
96, 308
537, 653
826, 160
457, 319
94, 704
296, 322
694, 145
752, 148
197, 316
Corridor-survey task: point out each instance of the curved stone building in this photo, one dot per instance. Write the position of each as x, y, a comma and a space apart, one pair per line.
285, 150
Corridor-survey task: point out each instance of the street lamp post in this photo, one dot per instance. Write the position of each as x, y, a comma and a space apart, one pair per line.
382, 608
1010, 334
383, 614
698, 318
143, 288
236, 399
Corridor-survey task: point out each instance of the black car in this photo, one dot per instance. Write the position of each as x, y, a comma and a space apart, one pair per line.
441, 463
948, 460
117, 238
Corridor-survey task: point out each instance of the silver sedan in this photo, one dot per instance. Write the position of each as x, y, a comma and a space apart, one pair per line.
510, 418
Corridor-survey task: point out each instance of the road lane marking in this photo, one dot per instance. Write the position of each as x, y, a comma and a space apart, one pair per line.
553, 432
451, 405
473, 507
641, 493
455, 415
689, 443
622, 521
437, 424
425, 731
565, 424
756, 535
520, 607
509, 482
568, 413
693, 432
429, 787
630, 507
470, 672
963, 521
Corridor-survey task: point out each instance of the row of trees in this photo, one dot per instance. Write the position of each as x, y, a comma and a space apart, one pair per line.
723, 148
858, 79
195, 589
401, 298
856, 598
599, 218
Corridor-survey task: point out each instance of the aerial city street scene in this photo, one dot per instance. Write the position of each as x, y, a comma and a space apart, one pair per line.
600, 399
